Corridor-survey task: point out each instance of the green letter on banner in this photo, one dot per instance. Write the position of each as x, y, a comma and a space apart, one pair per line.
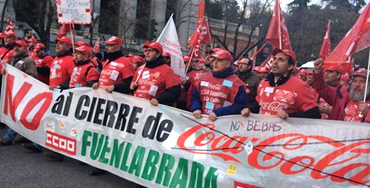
196, 176
211, 178
181, 175
85, 142
137, 161
166, 165
150, 165
116, 153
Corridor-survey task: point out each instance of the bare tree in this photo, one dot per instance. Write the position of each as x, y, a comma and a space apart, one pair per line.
38, 14
249, 15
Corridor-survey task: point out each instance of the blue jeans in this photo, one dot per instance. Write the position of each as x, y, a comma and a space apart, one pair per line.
10, 134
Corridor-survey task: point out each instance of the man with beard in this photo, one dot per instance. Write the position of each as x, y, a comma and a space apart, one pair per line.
117, 70
43, 63
246, 75
63, 64
347, 105
221, 92
155, 80
23, 62
283, 94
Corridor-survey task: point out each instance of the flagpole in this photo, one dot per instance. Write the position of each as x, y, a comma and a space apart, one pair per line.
279, 9
191, 57
367, 77
258, 51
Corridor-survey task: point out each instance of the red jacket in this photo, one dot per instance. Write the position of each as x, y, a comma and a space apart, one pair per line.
44, 62
61, 70
115, 72
343, 107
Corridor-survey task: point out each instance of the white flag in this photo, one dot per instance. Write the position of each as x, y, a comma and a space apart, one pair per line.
170, 42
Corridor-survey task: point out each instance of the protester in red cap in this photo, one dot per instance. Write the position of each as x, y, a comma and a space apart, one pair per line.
285, 95
302, 74
193, 78
94, 60
246, 75
346, 105
23, 62
31, 46
167, 58
117, 70
85, 73
60, 75
43, 63
6, 52
63, 64
155, 80
137, 61
236, 66
263, 72
221, 92
309, 79
344, 80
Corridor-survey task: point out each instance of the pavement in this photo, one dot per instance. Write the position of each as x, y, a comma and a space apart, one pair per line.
20, 168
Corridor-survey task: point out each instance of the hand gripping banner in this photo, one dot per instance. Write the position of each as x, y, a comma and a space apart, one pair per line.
166, 147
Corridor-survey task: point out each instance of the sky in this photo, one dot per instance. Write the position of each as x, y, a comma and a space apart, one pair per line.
285, 2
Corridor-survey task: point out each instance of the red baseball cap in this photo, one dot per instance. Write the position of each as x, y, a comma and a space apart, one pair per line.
186, 58
223, 54
165, 54
345, 77
39, 46
114, 40
336, 67
21, 43
85, 49
10, 33
137, 58
82, 43
33, 40
236, 63
256, 68
360, 72
64, 39
286, 52
264, 70
309, 72
202, 60
302, 72
154, 45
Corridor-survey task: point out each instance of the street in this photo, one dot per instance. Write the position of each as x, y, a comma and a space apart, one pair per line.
22, 168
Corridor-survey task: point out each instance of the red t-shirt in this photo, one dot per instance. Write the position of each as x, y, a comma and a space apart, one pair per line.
151, 83
351, 112
32, 54
61, 70
217, 92
292, 96
116, 71
193, 76
79, 76
44, 62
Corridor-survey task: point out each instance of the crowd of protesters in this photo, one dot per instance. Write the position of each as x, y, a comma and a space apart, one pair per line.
216, 85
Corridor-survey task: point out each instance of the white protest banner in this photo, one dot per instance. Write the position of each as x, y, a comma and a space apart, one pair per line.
170, 42
74, 11
165, 147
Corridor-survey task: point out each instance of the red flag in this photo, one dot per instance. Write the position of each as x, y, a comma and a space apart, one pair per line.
202, 5
325, 48
96, 48
267, 63
10, 26
258, 51
356, 39
65, 28
277, 34
202, 35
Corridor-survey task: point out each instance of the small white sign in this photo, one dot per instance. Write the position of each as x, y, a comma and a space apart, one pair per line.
74, 11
